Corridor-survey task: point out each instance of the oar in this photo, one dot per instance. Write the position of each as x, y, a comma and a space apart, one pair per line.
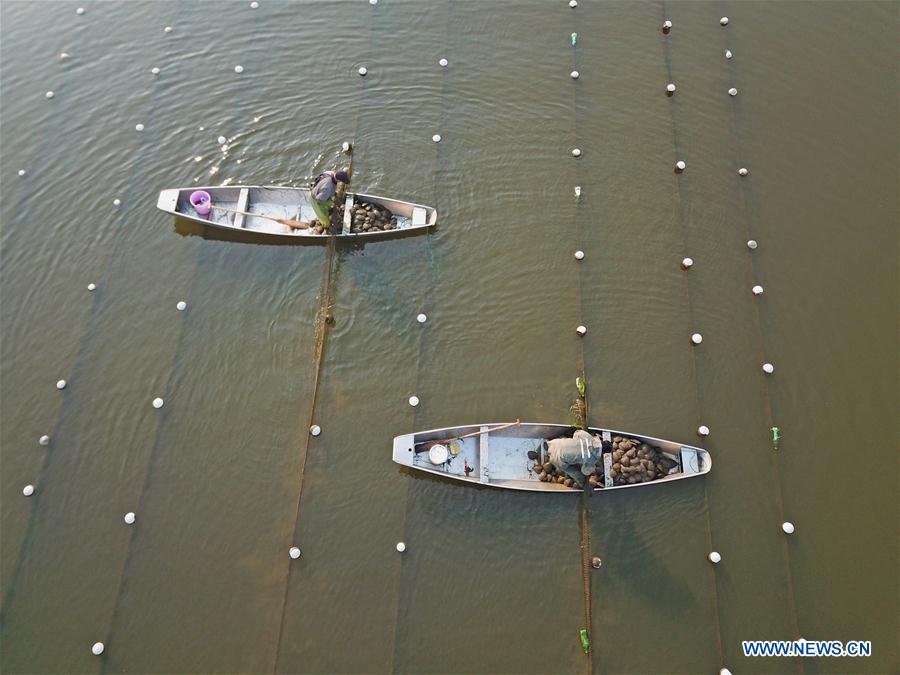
295, 224
473, 433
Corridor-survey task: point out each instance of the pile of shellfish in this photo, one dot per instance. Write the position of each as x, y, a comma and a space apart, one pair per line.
637, 462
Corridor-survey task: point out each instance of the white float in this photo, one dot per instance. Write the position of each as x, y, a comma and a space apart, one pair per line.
44, 440
21, 172
443, 63
714, 557
79, 11
421, 318
788, 527
752, 244
768, 368
728, 54
670, 88
573, 3
64, 56
363, 70
732, 92
28, 490
158, 403
49, 94
97, 649
438, 454
61, 384
574, 75
436, 138
696, 338
723, 21
687, 263
414, 401
581, 330
680, 165
239, 69
401, 546
576, 152
315, 430
117, 202
181, 306
92, 287
254, 5
579, 255
667, 26
167, 29
742, 171
757, 290
703, 430
139, 127
129, 518
222, 140
154, 70
294, 552
724, 671
577, 191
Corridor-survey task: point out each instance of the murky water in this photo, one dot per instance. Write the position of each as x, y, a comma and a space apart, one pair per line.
225, 478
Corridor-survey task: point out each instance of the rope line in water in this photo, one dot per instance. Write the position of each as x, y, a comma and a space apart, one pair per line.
682, 221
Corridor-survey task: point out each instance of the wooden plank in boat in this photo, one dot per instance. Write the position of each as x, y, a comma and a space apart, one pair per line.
418, 216
348, 214
483, 455
243, 200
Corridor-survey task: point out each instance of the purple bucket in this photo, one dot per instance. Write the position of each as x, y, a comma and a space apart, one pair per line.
200, 200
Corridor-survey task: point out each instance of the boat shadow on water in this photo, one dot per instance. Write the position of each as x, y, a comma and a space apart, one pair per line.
190, 228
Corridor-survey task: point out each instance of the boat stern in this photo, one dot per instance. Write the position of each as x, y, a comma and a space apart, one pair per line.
403, 449
167, 201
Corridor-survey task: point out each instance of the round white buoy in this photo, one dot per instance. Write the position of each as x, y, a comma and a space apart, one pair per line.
239, 69
92, 287
443, 63
64, 56
696, 338
154, 70
573, 3
687, 263
728, 54
44, 440
158, 403
61, 384
421, 318
28, 490
724, 671
221, 140
345, 147
752, 244
742, 171
670, 88
757, 290
576, 152
723, 21
577, 191
97, 649
129, 518
138, 127
79, 11
667, 25
414, 401
574, 75
21, 172
294, 552
680, 166
362, 71
714, 557
436, 138
167, 29
181, 306
401, 546
373, 2
788, 527
732, 92
581, 330
117, 202
703, 430
49, 94
596, 562
315, 430
254, 5
768, 368
579, 255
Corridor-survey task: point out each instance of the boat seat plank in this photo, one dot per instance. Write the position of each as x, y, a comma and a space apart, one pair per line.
483, 456
348, 214
418, 216
243, 200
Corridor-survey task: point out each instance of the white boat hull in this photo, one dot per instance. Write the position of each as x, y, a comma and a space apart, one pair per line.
500, 458
287, 203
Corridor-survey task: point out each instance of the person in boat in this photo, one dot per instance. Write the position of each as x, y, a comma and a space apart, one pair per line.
578, 456
322, 194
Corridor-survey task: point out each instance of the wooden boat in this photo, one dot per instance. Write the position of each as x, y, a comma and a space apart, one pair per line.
501, 458
286, 203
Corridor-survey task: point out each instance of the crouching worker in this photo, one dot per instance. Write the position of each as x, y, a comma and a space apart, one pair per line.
577, 457
322, 194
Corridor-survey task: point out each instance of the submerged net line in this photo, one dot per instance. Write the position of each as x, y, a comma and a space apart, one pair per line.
424, 304
682, 221
584, 504
90, 335
734, 127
